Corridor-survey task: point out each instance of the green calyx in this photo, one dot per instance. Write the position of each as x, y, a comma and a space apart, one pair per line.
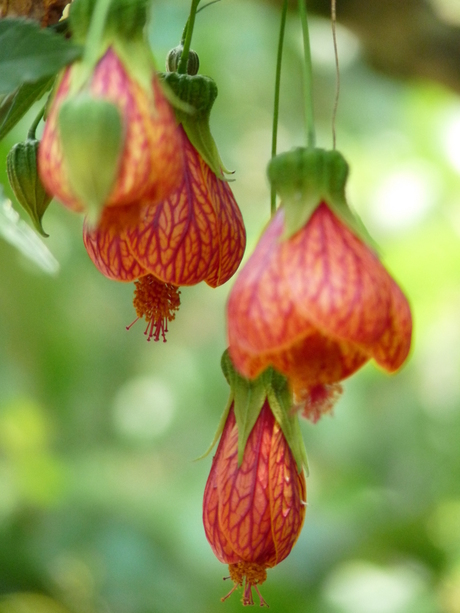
92, 140
198, 93
303, 179
116, 24
248, 397
21, 166
126, 18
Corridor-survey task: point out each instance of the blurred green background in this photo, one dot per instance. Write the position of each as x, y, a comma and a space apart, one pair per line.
100, 497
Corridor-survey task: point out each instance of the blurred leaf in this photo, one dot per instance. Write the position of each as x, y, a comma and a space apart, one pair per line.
28, 53
16, 232
14, 106
30, 603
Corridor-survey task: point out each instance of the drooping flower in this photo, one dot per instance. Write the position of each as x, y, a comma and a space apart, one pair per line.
196, 234
111, 137
313, 300
253, 512
255, 496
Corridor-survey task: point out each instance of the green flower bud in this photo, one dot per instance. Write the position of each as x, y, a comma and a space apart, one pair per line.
173, 59
21, 166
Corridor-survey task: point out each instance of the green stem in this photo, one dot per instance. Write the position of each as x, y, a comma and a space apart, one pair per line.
276, 106
33, 127
95, 32
182, 68
307, 77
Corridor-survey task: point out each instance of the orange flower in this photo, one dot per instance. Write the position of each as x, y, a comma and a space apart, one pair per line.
316, 306
196, 234
253, 513
150, 165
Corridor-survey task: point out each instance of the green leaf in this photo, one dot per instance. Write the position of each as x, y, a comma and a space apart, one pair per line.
16, 232
28, 53
15, 105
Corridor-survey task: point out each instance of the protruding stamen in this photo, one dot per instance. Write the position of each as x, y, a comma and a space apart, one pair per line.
157, 303
252, 575
317, 400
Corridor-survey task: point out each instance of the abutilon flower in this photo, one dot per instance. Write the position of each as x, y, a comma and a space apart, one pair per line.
253, 512
313, 301
196, 234
110, 135
150, 165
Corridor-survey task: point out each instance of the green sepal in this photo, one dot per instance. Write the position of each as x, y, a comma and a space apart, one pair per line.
303, 178
125, 17
248, 398
21, 166
199, 93
92, 140
15, 105
123, 31
280, 400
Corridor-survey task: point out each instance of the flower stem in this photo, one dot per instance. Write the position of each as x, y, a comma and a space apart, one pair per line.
276, 106
95, 33
182, 68
307, 77
33, 127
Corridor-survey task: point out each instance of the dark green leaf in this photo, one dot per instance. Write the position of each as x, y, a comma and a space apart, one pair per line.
14, 106
28, 53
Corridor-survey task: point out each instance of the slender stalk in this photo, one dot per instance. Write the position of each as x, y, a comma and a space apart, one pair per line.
34, 126
307, 77
95, 32
337, 71
182, 68
276, 106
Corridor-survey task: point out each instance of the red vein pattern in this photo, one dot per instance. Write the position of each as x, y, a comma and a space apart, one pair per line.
196, 234
316, 306
150, 165
254, 513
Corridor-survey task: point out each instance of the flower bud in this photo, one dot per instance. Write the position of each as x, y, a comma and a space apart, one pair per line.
253, 512
174, 56
21, 166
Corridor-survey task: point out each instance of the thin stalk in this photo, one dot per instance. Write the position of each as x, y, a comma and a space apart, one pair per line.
337, 71
95, 32
34, 126
307, 77
182, 68
276, 106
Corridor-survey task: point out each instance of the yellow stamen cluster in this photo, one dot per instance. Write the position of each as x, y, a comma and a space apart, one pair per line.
251, 575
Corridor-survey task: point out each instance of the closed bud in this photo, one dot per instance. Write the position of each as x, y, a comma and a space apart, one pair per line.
21, 165
174, 56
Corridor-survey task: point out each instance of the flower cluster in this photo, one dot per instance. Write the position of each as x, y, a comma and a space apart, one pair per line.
132, 150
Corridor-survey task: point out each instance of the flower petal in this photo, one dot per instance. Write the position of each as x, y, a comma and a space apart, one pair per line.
107, 245
394, 345
287, 497
244, 510
336, 281
177, 239
261, 315
216, 537
232, 234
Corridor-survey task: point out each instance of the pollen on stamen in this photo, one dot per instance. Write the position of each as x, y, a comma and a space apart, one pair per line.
157, 303
249, 575
317, 401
